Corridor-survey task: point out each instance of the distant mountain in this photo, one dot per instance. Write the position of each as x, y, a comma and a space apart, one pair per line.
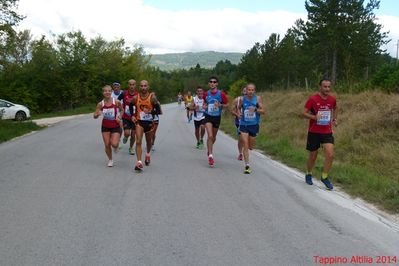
187, 60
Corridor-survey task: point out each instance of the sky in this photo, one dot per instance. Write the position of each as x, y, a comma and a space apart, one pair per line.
167, 26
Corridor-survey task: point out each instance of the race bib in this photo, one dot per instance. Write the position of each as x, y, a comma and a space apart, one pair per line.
109, 114
212, 109
127, 110
249, 115
325, 118
145, 117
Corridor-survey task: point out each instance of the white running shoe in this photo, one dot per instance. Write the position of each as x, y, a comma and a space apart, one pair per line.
110, 163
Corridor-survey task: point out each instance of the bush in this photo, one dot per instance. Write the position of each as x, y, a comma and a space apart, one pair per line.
387, 78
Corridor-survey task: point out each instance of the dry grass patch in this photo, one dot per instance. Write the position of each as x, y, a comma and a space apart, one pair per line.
366, 141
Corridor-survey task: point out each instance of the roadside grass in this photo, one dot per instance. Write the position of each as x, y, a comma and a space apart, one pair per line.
366, 161
89, 108
12, 129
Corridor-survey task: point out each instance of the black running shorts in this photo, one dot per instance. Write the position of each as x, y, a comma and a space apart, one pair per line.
197, 124
111, 129
146, 125
214, 120
128, 124
252, 130
316, 139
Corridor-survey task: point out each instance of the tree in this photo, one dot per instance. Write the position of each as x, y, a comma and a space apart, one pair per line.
8, 16
342, 35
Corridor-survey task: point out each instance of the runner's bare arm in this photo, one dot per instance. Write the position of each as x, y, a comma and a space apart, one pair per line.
335, 117
131, 109
259, 109
119, 106
239, 107
306, 114
233, 108
97, 113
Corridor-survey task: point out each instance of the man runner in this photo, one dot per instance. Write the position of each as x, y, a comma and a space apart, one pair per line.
157, 111
188, 102
234, 111
144, 104
214, 101
321, 110
249, 110
198, 107
129, 128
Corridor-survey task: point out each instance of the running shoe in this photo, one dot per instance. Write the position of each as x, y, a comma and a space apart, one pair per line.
116, 150
131, 151
308, 179
247, 170
198, 145
327, 183
110, 163
139, 166
239, 157
211, 161
147, 160
124, 140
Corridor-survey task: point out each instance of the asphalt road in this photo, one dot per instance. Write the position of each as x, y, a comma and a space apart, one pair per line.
61, 205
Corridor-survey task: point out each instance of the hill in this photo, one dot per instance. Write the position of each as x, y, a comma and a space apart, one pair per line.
186, 60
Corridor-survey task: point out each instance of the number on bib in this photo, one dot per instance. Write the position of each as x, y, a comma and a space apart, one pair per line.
325, 118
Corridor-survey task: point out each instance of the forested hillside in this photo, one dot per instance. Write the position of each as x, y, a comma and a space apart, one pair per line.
207, 59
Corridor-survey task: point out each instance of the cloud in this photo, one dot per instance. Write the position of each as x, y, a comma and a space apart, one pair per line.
391, 24
161, 31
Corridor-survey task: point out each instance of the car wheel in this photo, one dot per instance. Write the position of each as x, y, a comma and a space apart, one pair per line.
20, 116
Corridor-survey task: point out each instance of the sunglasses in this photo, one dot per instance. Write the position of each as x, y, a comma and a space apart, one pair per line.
213, 81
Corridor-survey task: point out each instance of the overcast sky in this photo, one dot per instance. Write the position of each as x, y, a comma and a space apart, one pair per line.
163, 26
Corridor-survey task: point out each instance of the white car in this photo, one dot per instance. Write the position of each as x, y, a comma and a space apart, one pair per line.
9, 110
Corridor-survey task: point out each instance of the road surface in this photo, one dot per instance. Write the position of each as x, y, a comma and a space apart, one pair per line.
61, 205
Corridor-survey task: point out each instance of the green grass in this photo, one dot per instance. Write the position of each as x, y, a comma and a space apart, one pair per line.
12, 129
80, 110
366, 148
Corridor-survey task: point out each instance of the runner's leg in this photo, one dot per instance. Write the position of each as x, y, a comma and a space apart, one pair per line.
107, 144
311, 161
210, 140
139, 138
328, 157
245, 142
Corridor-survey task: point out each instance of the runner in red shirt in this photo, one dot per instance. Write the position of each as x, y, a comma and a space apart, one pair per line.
111, 130
129, 128
321, 110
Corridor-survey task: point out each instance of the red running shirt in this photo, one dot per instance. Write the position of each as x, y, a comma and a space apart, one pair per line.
109, 114
127, 98
316, 104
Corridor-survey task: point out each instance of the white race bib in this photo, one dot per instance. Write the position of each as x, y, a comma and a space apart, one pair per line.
249, 115
325, 118
145, 117
109, 113
127, 110
212, 108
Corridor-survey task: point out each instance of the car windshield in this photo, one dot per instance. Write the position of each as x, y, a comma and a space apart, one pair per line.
5, 104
